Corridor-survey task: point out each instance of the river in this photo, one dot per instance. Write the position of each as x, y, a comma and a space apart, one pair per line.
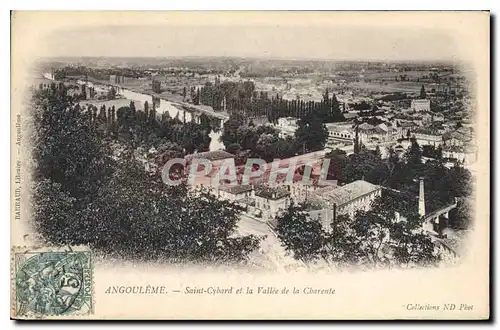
172, 108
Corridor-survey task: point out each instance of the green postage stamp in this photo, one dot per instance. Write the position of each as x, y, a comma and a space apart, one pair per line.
52, 282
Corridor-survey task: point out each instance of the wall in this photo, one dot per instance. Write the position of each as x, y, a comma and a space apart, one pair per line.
424, 139
270, 207
361, 203
325, 216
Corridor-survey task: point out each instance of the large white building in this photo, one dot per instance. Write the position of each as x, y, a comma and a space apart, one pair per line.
342, 131
234, 193
426, 136
465, 154
265, 202
287, 126
369, 134
348, 199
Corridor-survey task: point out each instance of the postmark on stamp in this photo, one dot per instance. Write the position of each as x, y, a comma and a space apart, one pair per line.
52, 282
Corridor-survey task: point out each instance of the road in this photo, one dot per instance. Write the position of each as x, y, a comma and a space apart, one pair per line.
271, 254
248, 226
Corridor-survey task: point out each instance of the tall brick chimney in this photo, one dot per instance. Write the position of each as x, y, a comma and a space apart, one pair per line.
421, 198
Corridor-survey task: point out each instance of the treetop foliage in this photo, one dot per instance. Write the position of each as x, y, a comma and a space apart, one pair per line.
83, 195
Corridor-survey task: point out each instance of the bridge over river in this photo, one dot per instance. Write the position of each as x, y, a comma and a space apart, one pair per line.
438, 220
186, 112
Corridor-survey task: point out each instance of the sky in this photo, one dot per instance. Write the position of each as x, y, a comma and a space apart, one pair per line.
390, 36
300, 42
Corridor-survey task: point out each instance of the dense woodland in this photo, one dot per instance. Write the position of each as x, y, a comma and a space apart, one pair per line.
241, 97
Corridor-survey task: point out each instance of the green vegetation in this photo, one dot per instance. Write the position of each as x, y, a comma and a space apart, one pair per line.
82, 195
264, 141
442, 184
370, 239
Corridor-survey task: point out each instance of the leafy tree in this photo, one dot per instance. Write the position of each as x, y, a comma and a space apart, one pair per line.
230, 129
166, 152
338, 164
111, 95
461, 182
383, 238
414, 154
365, 165
54, 211
300, 235
375, 238
432, 152
392, 160
67, 148
423, 94
311, 134
357, 146
461, 217
270, 146
285, 148
141, 217
82, 196
196, 100
233, 148
340, 245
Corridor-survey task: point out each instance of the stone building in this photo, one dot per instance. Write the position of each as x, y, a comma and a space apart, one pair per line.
330, 202
421, 105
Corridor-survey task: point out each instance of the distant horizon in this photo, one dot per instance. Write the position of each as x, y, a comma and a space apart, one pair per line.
269, 42
312, 59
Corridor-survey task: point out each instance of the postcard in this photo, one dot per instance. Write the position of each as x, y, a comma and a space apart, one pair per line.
247, 165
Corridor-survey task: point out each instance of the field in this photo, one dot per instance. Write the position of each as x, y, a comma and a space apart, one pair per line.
390, 81
387, 87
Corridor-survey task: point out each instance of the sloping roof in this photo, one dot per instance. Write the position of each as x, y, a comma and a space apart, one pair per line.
468, 148
236, 189
457, 135
334, 127
420, 101
366, 126
347, 193
385, 126
405, 124
350, 115
465, 130
271, 192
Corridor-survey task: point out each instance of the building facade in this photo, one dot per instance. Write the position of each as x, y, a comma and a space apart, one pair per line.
425, 137
287, 126
344, 200
340, 132
421, 105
